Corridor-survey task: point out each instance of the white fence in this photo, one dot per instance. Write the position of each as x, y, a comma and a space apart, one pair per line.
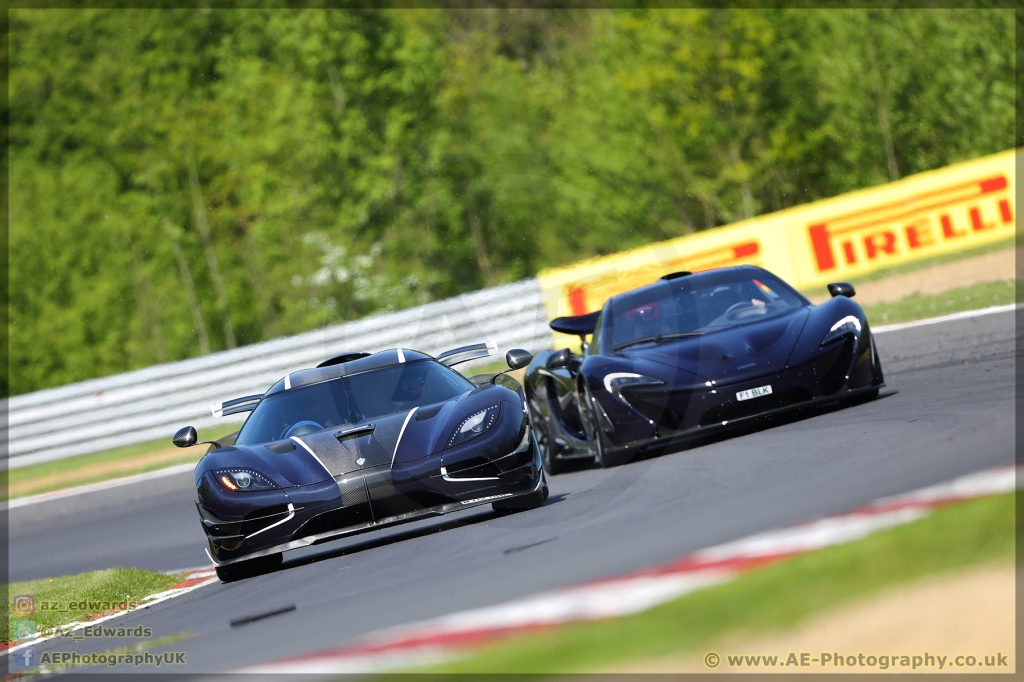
152, 403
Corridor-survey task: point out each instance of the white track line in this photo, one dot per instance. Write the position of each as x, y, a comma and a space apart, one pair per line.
100, 485
946, 318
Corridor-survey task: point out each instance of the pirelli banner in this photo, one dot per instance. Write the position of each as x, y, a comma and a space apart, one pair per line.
943, 211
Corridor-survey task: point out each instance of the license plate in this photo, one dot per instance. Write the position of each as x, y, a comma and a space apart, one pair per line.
754, 393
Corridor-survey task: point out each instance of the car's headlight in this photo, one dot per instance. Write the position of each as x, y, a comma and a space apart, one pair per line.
847, 325
473, 425
239, 479
617, 381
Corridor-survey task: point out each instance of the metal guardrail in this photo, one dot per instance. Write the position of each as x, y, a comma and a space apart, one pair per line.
151, 403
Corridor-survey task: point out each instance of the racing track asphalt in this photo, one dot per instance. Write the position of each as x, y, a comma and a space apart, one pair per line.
948, 410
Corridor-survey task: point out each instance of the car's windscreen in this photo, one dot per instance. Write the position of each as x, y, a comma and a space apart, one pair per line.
351, 399
698, 305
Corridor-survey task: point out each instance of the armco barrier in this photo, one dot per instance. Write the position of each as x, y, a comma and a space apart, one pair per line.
152, 403
942, 211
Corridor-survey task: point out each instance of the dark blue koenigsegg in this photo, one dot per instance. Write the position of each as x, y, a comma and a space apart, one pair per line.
360, 442
692, 354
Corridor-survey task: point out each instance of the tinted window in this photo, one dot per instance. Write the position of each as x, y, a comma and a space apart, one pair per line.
351, 399
700, 304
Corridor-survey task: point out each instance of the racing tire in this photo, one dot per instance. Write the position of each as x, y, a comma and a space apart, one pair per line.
250, 568
524, 502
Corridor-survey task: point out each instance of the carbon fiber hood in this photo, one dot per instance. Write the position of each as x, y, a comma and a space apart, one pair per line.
347, 454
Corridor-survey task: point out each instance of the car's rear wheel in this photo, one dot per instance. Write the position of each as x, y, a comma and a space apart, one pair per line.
250, 568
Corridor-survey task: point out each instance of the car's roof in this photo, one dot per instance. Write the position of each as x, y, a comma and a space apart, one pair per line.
385, 358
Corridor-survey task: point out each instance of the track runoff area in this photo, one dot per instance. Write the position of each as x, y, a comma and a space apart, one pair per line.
943, 430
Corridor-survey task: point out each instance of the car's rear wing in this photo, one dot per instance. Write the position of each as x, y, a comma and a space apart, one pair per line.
580, 325
244, 404
454, 356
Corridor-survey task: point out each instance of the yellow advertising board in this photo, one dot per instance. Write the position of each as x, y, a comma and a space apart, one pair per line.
943, 211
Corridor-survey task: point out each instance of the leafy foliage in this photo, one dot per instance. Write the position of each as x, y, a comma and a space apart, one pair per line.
183, 181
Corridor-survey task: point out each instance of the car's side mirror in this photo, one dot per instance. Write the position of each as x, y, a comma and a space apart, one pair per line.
841, 289
559, 359
517, 358
186, 437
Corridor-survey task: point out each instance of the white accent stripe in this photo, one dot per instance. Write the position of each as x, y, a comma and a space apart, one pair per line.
287, 381
291, 514
100, 485
444, 475
946, 318
401, 355
401, 433
296, 439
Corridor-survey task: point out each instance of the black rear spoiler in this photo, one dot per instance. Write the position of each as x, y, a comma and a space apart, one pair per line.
580, 326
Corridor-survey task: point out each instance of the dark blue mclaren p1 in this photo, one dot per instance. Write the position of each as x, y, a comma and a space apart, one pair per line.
361, 442
692, 354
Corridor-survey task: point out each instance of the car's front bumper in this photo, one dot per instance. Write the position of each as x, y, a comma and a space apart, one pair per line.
279, 520
658, 416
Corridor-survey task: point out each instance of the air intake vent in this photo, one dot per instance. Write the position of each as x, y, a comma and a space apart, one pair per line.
477, 467
343, 357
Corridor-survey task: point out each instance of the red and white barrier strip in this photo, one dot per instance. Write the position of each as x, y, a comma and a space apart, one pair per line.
449, 636
195, 579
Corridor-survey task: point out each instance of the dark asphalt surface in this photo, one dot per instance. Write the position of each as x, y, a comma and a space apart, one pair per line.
948, 410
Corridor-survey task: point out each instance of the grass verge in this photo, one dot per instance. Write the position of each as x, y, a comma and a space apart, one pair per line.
102, 466
764, 601
917, 307
72, 598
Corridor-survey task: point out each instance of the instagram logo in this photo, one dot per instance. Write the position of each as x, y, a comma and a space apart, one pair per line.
23, 605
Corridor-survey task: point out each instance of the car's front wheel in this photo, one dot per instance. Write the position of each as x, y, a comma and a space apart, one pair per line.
604, 456
552, 466
250, 568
